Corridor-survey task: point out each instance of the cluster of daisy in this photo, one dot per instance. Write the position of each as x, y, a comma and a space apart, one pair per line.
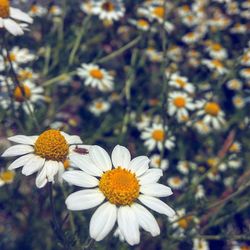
118, 80
116, 184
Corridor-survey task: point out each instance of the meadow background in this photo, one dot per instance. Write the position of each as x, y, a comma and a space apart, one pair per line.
153, 52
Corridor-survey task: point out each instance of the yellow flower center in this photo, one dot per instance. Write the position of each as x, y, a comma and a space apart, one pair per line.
244, 248
21, 94
179, 102
96, 73
24, 74
159, 12
217, 64
99, 105
158, 135
246, 71
7, 176
66, 164
180, 82
4, 8
216, 47
51, 145
119, 186
12, 56
143, 23
176, 180
34, 9
212, 108
108, 6
184, 222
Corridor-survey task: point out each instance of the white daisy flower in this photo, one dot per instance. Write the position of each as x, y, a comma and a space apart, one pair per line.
45, 154
200, 244
108, 9
216, 51
234, 84
176, 182
245, 73
186, 166
181, 82
13, 19
154, 137
157, 162
120, 188
212, 115
37, 10
99, 106
29, 94
180, 103
6, 177
96, 77
215, 65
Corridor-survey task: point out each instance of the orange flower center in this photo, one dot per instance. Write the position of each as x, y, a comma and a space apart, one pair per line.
180, 82
96, 73
25, 74
179, 102
217, 64
158, 135
7, 176
216, 47
143, 23
159, 12
21, 94
212, 108
4, 8
52, 145
108, 6
119, 186
184, 222
176, 180
99, 105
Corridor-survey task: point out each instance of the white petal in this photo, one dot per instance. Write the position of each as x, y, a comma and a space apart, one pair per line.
102, 221
84, 199
41, 179
19, 15
139, 165
157, 205
18, 150
156, 189
84, 163
151, 176
23, 139
146, 220
80, 179
13, 27
33, 165
128, 225
21, 161
71, 139
100, 157
52, 168
121, 157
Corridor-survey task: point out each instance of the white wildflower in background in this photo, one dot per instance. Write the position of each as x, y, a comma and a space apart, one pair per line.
99, 106
212, 114
95, 77
157, 162
12, 19
109, 10
46, 154
120, 186
154, 137
179, 104
6, 177
181, 83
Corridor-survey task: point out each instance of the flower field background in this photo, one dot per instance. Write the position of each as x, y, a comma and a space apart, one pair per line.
168, 80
